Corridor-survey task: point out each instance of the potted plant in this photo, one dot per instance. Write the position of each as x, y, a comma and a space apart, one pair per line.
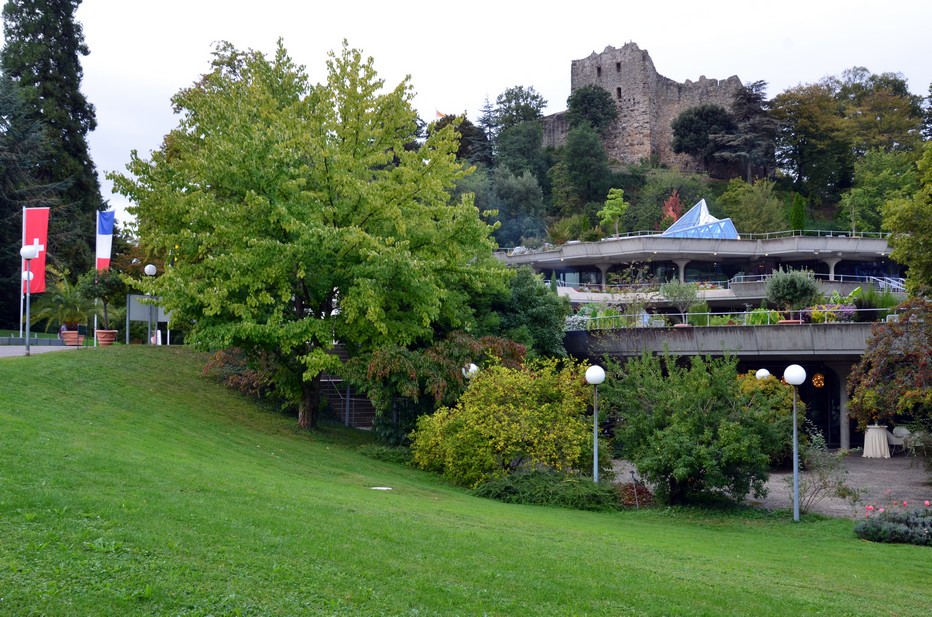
63, 305
792, 290
107, 287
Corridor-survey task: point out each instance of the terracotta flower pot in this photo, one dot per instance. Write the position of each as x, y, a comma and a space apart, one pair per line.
71, 337
106, 337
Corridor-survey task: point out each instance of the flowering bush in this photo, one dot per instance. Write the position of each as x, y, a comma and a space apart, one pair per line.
897, 523
828, 313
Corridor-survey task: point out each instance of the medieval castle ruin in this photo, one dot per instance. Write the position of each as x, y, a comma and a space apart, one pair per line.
647, 104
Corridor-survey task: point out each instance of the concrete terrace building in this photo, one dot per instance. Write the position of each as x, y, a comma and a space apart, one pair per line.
732, 273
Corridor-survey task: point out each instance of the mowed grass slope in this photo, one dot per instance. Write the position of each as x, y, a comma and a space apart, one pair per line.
131, 485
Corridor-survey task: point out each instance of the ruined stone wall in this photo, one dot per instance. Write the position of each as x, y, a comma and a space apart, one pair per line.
647, 103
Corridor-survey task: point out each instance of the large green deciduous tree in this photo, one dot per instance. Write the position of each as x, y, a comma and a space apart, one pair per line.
41, 54
812, 143
909, 219
753, 208
879, 176
516, 105
297, 216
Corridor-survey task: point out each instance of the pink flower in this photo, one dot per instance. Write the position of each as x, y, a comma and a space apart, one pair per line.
880, 510
927, 503
904, 504
870, 508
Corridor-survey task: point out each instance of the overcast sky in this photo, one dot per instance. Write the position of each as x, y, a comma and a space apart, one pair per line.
142, 52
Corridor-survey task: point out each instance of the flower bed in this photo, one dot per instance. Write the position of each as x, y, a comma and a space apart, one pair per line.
828, 313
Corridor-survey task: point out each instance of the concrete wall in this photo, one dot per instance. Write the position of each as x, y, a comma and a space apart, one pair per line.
797, 341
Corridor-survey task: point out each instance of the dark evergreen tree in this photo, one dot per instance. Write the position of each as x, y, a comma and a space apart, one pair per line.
752, 143
693, 130
927, 116
520, 148
23, 148
474, 145
41, 56
586, 165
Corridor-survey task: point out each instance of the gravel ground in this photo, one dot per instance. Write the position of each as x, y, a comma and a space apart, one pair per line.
878, 481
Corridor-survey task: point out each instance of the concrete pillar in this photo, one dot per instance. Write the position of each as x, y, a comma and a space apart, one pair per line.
681, 264
603, 272
842, 369
831, 262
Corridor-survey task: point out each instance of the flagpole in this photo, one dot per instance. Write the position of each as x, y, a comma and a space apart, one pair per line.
22, 296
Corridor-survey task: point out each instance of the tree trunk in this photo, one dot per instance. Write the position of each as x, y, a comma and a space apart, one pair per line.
309, 408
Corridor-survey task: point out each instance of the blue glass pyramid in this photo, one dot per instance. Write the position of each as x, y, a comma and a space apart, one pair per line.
698, 223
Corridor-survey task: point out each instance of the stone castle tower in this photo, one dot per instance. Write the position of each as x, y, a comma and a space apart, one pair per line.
647, 104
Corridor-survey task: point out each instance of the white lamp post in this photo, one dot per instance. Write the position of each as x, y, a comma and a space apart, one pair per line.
795, 375
150, 271
470, 370
762, 373
28, 253
595, 375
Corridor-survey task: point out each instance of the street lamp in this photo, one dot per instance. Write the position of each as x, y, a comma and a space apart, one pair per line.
762, 373
28, 253
795, 375
595, 375
150, 271
470, 370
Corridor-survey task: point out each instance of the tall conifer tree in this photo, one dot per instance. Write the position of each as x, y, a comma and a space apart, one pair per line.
41, 55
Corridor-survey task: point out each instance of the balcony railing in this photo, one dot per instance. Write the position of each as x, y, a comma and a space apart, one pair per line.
756, 317
790, 233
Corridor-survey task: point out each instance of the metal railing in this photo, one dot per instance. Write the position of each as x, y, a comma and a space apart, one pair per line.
883, 283
773, 235
756, 317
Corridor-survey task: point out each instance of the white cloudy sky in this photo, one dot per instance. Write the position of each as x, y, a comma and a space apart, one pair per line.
458, 55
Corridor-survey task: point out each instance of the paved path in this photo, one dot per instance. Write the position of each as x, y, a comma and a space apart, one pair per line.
879, 482
8, 351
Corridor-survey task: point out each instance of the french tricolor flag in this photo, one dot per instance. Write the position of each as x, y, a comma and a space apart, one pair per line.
104, 239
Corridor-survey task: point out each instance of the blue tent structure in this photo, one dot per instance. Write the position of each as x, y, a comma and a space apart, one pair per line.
698, 223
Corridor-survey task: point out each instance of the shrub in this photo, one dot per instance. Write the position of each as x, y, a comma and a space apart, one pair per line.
550, 488
768, 411
233, 369
762, 317
509, 420
897, 526
698, 314
826, 472
792, 289
686, 429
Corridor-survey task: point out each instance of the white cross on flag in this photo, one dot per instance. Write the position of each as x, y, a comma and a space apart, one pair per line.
35, 233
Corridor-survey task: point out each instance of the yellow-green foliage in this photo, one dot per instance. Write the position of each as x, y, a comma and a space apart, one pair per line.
506, 420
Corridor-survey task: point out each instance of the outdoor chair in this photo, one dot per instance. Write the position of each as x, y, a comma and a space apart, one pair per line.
897, 438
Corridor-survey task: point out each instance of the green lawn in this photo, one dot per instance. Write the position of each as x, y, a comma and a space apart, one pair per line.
131, 485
